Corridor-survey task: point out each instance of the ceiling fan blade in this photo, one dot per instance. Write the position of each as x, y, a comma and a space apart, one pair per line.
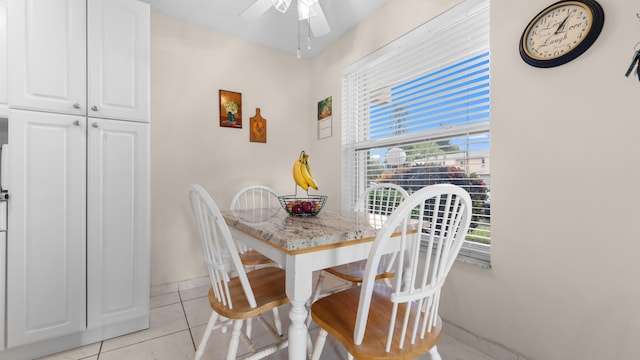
281, 5
318, 22
257, 9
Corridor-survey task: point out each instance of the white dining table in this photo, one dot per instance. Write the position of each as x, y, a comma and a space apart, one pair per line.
302, 245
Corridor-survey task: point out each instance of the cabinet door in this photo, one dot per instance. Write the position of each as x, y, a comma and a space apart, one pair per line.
4, 88
46, 262
3, 259
47, 55
118, 221
118, 52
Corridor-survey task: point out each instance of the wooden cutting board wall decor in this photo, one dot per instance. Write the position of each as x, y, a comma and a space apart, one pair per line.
257, 128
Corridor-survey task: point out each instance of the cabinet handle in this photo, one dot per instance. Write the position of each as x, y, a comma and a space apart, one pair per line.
76, 106
95, 125
76, 122
94, 108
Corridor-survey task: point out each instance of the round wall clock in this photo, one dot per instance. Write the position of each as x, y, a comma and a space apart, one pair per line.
561, 32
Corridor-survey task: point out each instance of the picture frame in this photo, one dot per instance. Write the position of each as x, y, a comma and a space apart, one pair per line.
325, 110
230, 109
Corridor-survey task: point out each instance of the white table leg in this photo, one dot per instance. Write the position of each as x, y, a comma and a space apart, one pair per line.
298, 330
299, 283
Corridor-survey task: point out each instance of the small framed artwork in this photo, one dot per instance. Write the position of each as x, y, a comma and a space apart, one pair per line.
258, 128
230, 109
324, 118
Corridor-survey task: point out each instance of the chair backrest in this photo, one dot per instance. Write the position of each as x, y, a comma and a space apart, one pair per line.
220, 252
440, 215
255, 197
380, 200
260, 198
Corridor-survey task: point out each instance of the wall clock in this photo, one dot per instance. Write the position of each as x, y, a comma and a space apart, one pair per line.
561, 32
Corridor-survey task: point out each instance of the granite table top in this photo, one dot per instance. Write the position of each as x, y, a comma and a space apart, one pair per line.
296, 234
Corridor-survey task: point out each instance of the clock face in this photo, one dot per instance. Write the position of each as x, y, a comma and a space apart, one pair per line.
561, 32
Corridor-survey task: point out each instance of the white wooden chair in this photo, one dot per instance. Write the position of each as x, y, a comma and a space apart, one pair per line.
402, 321
235, 295
378, 201
265, 200
255, 197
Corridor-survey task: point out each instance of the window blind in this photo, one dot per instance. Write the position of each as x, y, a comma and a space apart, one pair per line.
416, 112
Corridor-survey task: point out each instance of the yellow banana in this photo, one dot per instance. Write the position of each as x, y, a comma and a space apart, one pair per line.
306, 172
297, 175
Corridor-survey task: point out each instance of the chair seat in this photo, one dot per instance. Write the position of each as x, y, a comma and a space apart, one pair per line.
253, 258
354, 271
337, 315
268, 285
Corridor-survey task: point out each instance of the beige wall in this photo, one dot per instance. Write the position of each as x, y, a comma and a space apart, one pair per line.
188, 66
563, 283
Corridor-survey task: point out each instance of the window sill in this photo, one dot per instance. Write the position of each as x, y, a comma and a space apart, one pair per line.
481, 263
476, 254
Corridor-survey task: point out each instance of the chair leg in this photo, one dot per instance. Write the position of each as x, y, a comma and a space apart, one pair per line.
317, 349
235, 340
316, 290
276, 321
309, 345
315, 295
205, 337
435, 355
249, 327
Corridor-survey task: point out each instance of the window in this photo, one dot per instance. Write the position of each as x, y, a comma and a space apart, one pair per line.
416, 112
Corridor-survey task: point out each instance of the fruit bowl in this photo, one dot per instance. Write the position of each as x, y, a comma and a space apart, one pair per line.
302, 206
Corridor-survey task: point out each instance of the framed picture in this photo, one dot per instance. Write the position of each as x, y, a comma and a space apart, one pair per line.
230, 109
325, 108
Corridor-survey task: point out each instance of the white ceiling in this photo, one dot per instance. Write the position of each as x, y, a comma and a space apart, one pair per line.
274, 29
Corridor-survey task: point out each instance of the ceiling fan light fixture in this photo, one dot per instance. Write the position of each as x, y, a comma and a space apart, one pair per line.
281, 5
308, 3
306, 9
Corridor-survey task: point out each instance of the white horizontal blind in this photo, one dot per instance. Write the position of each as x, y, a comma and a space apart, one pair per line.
416, 112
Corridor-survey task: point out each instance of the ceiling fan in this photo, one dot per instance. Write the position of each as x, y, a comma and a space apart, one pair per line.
309, 10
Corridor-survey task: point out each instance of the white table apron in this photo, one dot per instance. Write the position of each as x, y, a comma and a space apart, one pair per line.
299, 268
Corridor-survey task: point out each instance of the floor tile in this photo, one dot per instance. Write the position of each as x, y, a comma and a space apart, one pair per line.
77, 353
164, 320
177, 346
164, 299
197, 311
197, 292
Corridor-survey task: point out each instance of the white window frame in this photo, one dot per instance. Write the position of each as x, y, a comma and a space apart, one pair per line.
456, 35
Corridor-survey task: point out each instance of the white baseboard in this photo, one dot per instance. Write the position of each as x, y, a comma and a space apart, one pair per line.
496, 351
179, 285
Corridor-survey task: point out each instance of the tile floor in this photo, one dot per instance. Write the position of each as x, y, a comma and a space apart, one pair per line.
178, 320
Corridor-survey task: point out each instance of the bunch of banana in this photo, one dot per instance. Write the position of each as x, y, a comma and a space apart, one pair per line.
302, 173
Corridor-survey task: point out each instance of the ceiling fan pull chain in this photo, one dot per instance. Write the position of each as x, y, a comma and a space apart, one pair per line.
298, 50
309, 33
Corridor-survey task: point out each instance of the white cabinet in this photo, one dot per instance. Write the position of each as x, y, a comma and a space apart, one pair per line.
118, 221
47, 55
118, 59
46, 262
78, 253
78, 57
4, 97
3, 268
79, 243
